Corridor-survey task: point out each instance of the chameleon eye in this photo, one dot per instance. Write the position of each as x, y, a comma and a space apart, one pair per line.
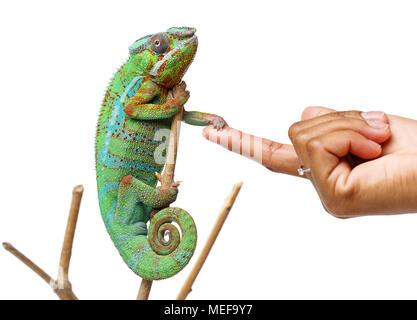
159, 43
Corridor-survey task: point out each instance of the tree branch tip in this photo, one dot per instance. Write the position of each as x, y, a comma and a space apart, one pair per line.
7, 245
239, 184
78, 189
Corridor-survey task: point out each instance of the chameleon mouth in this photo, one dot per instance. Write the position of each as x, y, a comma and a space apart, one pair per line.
156, 68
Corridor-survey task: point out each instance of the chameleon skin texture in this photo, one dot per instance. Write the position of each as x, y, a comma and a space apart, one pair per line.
132, 135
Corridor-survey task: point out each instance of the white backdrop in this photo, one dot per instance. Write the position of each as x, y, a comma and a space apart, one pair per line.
259, 64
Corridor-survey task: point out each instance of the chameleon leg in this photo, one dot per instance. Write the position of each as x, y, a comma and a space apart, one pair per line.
136, 108
197, 118
151, 111
133, 190
135, 201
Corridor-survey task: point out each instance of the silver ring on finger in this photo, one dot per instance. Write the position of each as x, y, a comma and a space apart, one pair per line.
302, 171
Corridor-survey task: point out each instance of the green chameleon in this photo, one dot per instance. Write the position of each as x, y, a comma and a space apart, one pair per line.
132, 135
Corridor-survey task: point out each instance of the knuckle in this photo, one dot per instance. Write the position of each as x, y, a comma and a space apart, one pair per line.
302, 138
294, 129
313, 145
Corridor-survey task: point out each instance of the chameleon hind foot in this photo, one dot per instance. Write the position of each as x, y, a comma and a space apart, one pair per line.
174, 184
173, 188
134, 190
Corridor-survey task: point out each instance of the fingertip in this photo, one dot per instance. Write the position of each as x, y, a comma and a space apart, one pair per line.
376, 147
211, 133
205, 132
375, 116
372, 151
209, 128
378, 130
364, 148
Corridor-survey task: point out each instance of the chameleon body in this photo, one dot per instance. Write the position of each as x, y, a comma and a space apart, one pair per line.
135, 117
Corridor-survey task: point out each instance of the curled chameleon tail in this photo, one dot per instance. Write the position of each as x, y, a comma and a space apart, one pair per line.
153, 257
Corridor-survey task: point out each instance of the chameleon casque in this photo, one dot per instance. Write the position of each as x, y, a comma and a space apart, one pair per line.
135, 109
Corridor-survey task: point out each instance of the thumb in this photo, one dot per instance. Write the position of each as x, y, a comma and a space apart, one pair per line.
314, 112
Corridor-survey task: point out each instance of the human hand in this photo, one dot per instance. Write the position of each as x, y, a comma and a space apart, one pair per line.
358, 166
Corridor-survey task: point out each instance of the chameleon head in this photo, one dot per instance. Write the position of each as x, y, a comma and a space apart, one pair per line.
166, 55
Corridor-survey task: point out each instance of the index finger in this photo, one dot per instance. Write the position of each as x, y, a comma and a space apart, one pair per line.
275, 156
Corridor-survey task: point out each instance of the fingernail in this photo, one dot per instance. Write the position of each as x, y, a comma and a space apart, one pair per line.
375, 119
377, 124
373, 115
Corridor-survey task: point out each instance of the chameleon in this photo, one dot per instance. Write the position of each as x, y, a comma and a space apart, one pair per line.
132, 128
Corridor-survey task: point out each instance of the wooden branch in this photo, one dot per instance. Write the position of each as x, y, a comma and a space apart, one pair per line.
168, 174
9, 247
77, 194
145, 289
187, 287
166, 181
62, 286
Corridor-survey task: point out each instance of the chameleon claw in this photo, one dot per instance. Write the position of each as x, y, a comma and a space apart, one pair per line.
179, 90
158, 176
217, 122
182, 85
176, 184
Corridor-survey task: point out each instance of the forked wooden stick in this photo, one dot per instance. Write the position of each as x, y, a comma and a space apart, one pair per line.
166, 181
224, 212
62, 286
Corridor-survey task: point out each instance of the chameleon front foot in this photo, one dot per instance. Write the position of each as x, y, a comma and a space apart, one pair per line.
216, 121
179, 95
197, 118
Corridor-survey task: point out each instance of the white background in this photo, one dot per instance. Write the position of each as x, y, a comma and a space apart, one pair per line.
259, 64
